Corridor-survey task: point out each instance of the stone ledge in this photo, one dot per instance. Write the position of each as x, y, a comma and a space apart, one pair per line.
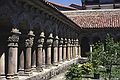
46, 74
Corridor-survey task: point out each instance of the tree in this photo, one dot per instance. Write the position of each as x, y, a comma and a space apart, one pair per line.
107, 54
111, 54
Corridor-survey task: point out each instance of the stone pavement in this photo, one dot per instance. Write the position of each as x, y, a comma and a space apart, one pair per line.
59, 77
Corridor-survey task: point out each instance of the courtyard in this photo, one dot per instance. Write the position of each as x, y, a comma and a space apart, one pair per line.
41, 39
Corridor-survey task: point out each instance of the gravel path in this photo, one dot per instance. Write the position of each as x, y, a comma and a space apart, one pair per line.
61, 76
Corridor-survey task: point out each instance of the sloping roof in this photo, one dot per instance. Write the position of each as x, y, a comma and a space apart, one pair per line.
62, 6
77, 6
95, 18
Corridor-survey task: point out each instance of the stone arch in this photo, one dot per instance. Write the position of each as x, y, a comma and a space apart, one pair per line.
23, 18
55, 29
48, 27
85, 47
60, 30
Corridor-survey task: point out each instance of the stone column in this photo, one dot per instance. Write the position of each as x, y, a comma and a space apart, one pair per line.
76, 48
28, 45
60, 49
91, 52
64, 49
39, 52
73, 48
34, 60
43, 57
21, 63
2, 66
49, 45
71, 51
68, 50
79, 50
55, 52
13, 54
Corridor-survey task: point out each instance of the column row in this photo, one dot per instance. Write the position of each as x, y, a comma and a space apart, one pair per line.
51, 51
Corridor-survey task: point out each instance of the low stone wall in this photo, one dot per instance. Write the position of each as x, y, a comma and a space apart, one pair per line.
46, 74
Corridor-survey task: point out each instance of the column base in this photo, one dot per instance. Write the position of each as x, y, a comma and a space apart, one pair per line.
20, 71
34, 68
39, 69
28, 72
60, 62
55, 64
48, 66
16, 77
43, 66
2, 77
10, 76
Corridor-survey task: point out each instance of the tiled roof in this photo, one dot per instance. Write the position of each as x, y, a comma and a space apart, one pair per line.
96, 19
60, 5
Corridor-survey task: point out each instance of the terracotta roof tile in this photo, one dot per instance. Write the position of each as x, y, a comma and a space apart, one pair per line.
96, 19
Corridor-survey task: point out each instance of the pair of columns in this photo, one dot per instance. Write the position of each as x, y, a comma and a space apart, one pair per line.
57, 50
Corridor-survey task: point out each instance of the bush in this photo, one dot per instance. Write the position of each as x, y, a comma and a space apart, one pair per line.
74, 73
86, 68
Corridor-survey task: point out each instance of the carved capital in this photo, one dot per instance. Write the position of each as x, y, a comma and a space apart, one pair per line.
50, 39
13, 39
65, 41
61, 41
29, 40
55, 43
41, 40
76, 42
68, 42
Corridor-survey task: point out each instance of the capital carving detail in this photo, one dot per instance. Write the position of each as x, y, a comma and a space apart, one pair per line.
61, 41
14, 38
50, 39
65, 41
29, 41
41, 40
55, 43
68, 44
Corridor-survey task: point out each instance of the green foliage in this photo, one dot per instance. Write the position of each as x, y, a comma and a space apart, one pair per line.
107, 54
86, 68
74, 73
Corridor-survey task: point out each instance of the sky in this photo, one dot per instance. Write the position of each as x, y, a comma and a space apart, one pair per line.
66, 2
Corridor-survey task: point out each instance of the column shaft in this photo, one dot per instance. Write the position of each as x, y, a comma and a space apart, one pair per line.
21, 62
64, 52
49, 55
28, 61
34, 60
39, 59
2, 65
55, 62
71, 53
12, 62
79, 48
60, 53
55, 51
76, 51
68, 50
